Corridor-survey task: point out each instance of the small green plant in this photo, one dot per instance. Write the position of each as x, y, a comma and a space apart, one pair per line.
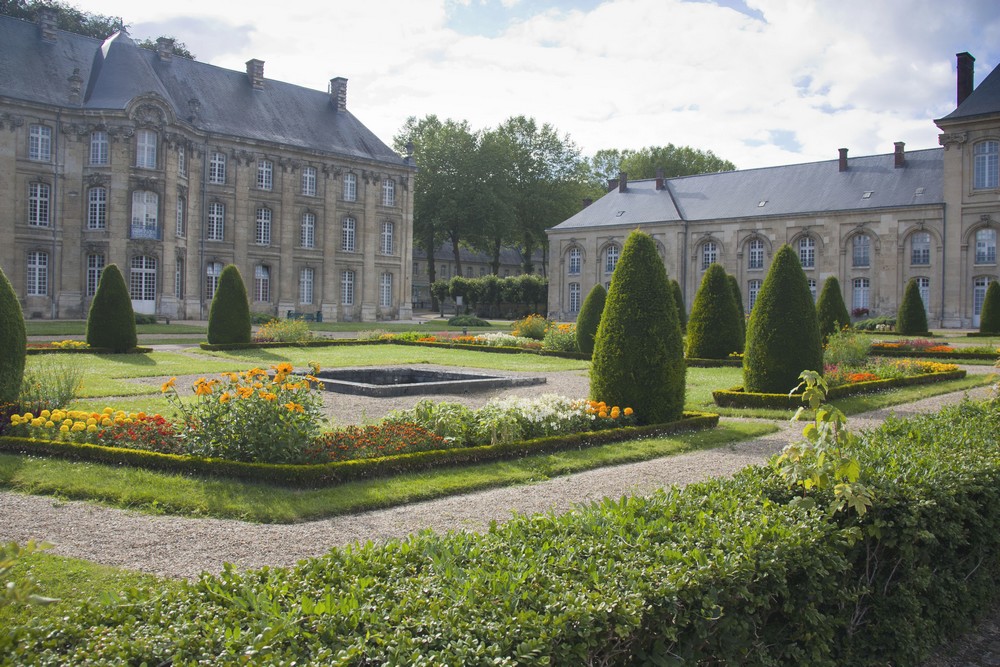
111, 321
229, 315
467, 321
13, 342
50, 382
846, 348
283, 331
589, 318
533, 326
24, 593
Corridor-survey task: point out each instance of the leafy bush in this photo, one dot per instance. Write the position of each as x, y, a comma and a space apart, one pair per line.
260, 318
229, 315
989, 316
13, 342
144, 318
734, 285
830, 308
882, 323
533, 326
111, 320
783, 335
682, 316
50, 382
373, 441
638, 355
716, 320
846, 348
467, 321
589, 318
911, 318
560, 338
283, 331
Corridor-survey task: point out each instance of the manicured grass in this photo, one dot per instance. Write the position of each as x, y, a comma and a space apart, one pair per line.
191, 496
78, 328
429, 326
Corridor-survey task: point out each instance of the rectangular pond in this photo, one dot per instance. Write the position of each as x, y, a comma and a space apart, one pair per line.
385, 382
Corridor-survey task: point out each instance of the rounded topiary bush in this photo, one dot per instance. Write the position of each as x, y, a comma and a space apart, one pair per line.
831, 311
229, 316
734, 285
111, 320
682, 313
13, 343
589, 318
783, 334
989, 316
911, 318
714, 328
638, 358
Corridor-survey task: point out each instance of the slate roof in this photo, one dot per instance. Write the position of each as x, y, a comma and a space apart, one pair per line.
799, 189
116, 71
983, 101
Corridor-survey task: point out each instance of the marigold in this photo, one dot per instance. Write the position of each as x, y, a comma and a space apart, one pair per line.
628, 412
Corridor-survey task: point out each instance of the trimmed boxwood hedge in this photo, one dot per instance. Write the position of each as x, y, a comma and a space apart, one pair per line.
923, 354
86, 350
12, 343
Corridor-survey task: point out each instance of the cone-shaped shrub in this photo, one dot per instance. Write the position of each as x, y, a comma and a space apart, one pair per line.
589, 318
111, 321
682, 313
911, 318
734, 285
714, 326
989, 316
783, 334
638, 359
12, 343
229, 316
830, 309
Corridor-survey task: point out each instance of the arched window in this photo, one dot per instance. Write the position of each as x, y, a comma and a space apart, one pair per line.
97, 208
575, 263
985, 158
263, 235
986, 246
142, 278
145, 205
920, 248
709, 254
861, 250
807, 252
307, 233
611, 258
755, 251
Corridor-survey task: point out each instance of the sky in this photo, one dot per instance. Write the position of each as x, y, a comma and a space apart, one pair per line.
758, 82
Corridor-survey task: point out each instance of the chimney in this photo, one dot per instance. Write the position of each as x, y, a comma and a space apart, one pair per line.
255, 71
966, 72
622, 181
612, 184
899, 155
587, 201
47, 24
165, 48
659, 179
75, 86
843, 159
338, 93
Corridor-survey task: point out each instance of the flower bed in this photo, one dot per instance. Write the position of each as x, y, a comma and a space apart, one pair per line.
924, 348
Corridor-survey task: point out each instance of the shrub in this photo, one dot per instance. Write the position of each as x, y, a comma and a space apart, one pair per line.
716, 320
50, 382
467, 321
846, 348
283, 331
373, 441
111, 321
989, 317
911, 318
881, 323
229, 315
734, 285
589, 317
560, 338
13, 342
144, 318
532, 326
638, 357
682, 315
783, 335
830, 308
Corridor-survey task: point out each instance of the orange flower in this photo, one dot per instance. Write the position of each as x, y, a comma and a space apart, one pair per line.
268, 396
294, 407
244, 392
225, 397
169, 384
628, 412
284, 368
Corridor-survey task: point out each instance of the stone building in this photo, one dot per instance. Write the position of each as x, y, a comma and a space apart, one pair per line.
173, 168
874, 222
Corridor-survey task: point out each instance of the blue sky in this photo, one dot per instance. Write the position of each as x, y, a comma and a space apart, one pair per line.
759, 82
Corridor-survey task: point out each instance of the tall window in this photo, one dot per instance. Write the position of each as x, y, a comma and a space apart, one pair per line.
95, 265
350, 187
217, 168
212, 272
182, 165
575, 261
756, 252
179, 278
574, 297
40, 143
347, 288
862, 250
99, 148
807, 252
144, 215
385, 290
388, 192
97, 208
753, 289
984, 157
709, 254
216, 221
38, 204
265, 175
145, 149
142, 278
979, 287
38, 273
309, 181
924, 287
262, 283
181, 216
862, 293
306, 285
307, 232
920, 248
611, 258
812, 288
263, 235
986, 246
347, 235
387, 230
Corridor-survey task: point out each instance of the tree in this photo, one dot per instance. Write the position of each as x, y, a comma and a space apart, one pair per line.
111, 321
989, 316
831, 309
179, 47
682, 318
13, 344
644, 162
589, 318
229, 315
783, 334
638, 358
713, 330
734, 286
911, 318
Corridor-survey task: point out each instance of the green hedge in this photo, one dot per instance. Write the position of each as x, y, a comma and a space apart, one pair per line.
713, 363
86, 350
737, 398
222, 347
921, 354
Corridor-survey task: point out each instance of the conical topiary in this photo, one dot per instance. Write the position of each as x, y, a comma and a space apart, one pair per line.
714, 326
638, 359
989, 316
13, 344
734, 285
589, 318
783, 334
229, 315
831, 309
111, 321
911, 318
682, 314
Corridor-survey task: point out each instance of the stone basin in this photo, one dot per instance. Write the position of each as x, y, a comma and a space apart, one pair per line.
386, 382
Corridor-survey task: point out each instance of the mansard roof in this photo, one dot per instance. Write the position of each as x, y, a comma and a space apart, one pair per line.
798, 189
116, 71
983, 101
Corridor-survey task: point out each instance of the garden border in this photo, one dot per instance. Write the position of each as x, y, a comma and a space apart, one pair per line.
921, 354
86, 350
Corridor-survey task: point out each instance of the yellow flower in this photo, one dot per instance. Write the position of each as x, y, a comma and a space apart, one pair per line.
50, 424
628, 412
91, 421
111, 411
78, 426
224, 398
203, 389
91, 428
615, 412
28, 416
141, 415
37, 421
244, 392
284, 368
169, 384
106, 421
45, 413
268, 396
294, 407
64, 428
602, 414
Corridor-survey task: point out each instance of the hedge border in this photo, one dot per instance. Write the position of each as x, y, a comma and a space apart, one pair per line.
982, 334
86, 350
713, 363
921, 354
737, 398
346, 342
331, 474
